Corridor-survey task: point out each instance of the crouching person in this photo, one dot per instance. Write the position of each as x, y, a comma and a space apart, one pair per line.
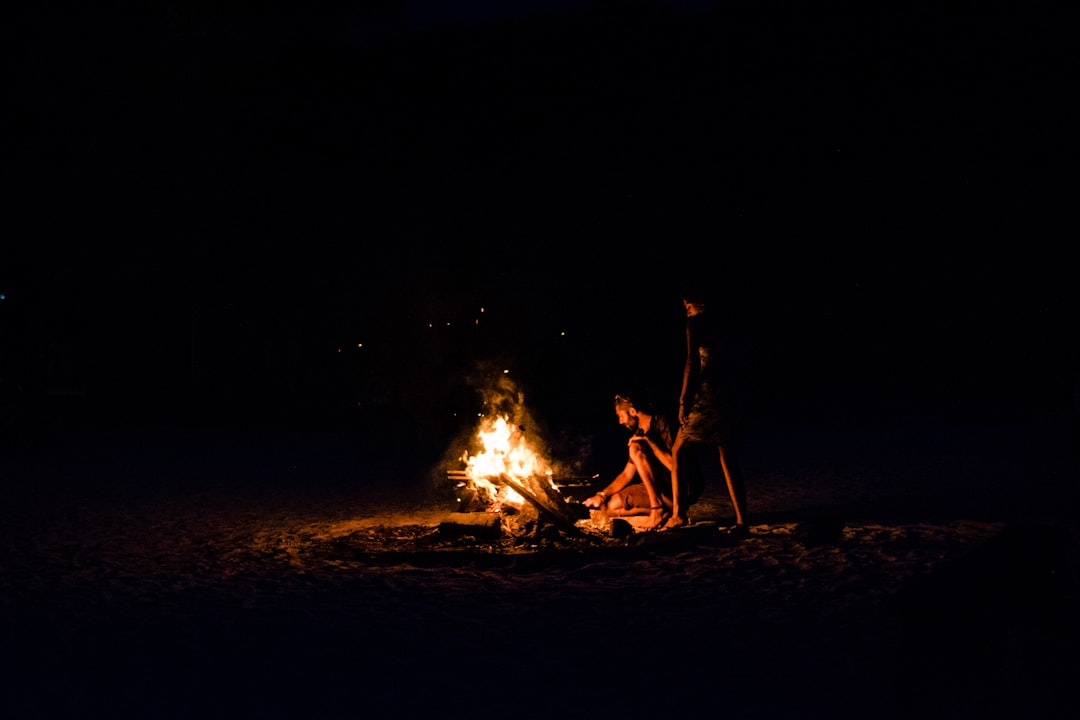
644, 485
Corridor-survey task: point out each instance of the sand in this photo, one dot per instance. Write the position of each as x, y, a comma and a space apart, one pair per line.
899, 570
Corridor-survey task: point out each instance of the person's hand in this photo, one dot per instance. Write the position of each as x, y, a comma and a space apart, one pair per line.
595, 502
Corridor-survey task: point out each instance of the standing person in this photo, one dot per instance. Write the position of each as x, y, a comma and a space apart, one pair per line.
710, 411
644, 485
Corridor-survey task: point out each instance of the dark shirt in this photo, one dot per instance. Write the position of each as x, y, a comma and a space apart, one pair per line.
721, 357
661, 431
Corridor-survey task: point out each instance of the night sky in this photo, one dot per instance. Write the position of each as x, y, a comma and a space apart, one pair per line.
212, 209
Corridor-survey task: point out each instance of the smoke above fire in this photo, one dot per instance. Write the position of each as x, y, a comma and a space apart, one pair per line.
505, 442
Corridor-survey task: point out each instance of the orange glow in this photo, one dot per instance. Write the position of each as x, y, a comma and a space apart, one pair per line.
504, 451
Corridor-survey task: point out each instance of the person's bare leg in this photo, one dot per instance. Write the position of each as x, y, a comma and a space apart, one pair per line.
632, 512
679, 456
733, 478
617, 508
648, 479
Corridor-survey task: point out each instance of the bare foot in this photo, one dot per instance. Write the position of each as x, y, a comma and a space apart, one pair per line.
675, 521
656, 519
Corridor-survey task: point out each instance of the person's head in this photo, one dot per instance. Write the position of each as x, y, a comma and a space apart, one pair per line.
693, 299
627, 413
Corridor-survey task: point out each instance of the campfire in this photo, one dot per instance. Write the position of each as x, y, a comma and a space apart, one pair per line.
507, 486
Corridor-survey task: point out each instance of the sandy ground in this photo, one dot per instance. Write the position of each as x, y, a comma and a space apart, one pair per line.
906, 570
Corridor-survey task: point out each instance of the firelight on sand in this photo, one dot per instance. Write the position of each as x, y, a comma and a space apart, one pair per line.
504, 451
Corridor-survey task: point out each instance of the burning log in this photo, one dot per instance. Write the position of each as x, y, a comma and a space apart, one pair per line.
510, 477
549, 504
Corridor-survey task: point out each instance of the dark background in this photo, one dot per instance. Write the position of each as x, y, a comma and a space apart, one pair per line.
210, 208
243, 258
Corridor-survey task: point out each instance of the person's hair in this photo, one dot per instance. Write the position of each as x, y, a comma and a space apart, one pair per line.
638, 401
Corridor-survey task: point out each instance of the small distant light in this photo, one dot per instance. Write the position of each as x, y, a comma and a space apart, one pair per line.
339, 349
506, 372
430, 325
481, 309
3, 296
562, 334
359, 344
447, 324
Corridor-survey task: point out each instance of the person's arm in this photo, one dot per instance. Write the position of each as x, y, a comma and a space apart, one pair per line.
621, 480
689, 374
659, 449
646, 471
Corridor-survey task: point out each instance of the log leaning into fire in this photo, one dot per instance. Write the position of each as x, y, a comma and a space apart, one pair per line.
556, 511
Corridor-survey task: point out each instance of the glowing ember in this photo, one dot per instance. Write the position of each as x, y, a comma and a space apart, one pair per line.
505, 451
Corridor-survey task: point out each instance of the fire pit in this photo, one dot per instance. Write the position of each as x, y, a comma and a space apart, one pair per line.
507, 486
512, 495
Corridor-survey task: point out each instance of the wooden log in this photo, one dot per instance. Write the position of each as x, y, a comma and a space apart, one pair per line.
481, 524
547, 510
473, 519
550, 495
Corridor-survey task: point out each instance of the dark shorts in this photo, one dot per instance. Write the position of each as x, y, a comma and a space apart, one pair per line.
635, 496
713, 419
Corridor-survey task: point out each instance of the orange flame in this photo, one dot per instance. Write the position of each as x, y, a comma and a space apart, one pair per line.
505, 450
